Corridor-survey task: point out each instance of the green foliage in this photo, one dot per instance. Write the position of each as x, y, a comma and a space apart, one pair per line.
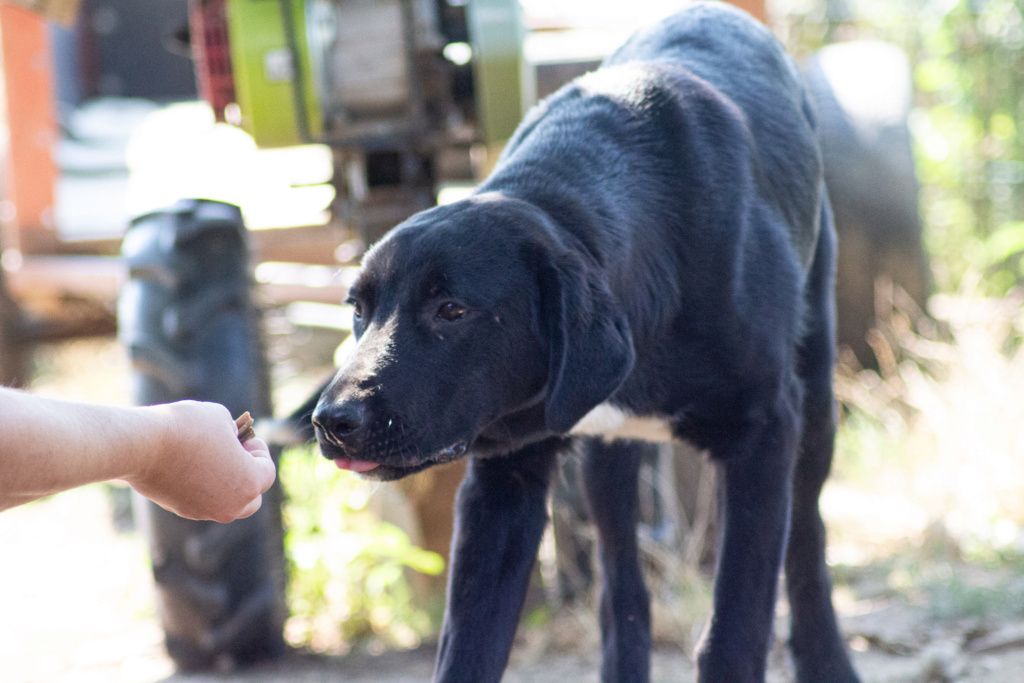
969, 79
958, 599
348, 570
866, 443
952, 590
970, 76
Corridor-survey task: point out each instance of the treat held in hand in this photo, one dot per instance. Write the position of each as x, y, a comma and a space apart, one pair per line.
245, 430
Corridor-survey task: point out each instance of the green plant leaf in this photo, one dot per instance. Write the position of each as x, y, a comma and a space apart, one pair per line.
1005, 242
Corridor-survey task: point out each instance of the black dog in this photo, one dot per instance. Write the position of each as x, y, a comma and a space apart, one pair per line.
653, 255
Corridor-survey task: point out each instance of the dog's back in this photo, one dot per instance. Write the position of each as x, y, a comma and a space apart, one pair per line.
709, 64
747, 64
687, 167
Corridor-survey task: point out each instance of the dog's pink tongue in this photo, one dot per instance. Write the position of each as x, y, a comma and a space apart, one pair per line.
354, 465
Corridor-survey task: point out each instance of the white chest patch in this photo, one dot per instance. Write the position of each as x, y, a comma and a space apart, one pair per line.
614, 423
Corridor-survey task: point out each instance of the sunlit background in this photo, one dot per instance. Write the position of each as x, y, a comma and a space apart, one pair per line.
926, 505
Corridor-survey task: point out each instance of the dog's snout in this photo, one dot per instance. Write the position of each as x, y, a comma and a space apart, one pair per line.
338, 420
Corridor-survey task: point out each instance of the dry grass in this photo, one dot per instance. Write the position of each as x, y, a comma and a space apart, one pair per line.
932, 444
926, 503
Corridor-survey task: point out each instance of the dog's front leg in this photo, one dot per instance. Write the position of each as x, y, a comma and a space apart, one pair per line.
754, 475
610, 479
501, 511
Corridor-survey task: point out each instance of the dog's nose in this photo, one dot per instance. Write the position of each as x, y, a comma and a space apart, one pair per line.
338, 420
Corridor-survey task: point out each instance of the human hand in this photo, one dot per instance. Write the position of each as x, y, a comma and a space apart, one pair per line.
196, 467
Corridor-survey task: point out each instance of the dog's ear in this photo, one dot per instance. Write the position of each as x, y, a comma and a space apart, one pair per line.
591, 346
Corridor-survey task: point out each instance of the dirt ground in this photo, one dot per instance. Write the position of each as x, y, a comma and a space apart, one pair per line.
77, 607
77, 603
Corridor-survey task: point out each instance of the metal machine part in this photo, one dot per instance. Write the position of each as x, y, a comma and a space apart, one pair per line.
400, 89
366, 57
373, 73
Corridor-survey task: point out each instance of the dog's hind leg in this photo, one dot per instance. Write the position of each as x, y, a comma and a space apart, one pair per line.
609, 473
500, 515
819, 652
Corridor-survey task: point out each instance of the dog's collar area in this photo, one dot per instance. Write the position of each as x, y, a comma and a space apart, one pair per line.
612, 422
513, 430
451, 453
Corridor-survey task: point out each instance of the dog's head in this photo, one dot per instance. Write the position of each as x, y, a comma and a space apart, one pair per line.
477, 331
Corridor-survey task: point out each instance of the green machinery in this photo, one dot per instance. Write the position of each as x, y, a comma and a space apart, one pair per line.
343, 72
401, 89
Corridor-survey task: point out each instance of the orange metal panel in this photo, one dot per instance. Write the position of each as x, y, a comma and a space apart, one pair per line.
27, 102
755, 7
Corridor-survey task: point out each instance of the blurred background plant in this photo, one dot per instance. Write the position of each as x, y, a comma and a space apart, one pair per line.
349, 584
969, 83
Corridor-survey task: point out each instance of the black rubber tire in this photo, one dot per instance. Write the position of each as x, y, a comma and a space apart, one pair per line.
187, 318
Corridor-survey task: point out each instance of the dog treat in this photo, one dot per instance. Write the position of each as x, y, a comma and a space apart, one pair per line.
244, 424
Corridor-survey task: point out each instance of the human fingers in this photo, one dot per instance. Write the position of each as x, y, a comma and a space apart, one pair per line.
261, 464
257, 447
250, 509
263, 473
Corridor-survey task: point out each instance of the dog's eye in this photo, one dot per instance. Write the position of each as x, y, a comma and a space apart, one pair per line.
450, 311
357, 308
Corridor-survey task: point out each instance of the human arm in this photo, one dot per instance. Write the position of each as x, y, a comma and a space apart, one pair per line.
184, 456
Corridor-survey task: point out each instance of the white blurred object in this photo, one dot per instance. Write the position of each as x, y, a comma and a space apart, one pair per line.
181, 151
871, 80
124, 157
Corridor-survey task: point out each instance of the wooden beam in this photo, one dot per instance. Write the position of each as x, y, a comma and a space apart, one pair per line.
314, 244
41, 279
304, 244
38, 278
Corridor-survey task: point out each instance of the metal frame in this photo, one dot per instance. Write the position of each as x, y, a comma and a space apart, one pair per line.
412, 129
